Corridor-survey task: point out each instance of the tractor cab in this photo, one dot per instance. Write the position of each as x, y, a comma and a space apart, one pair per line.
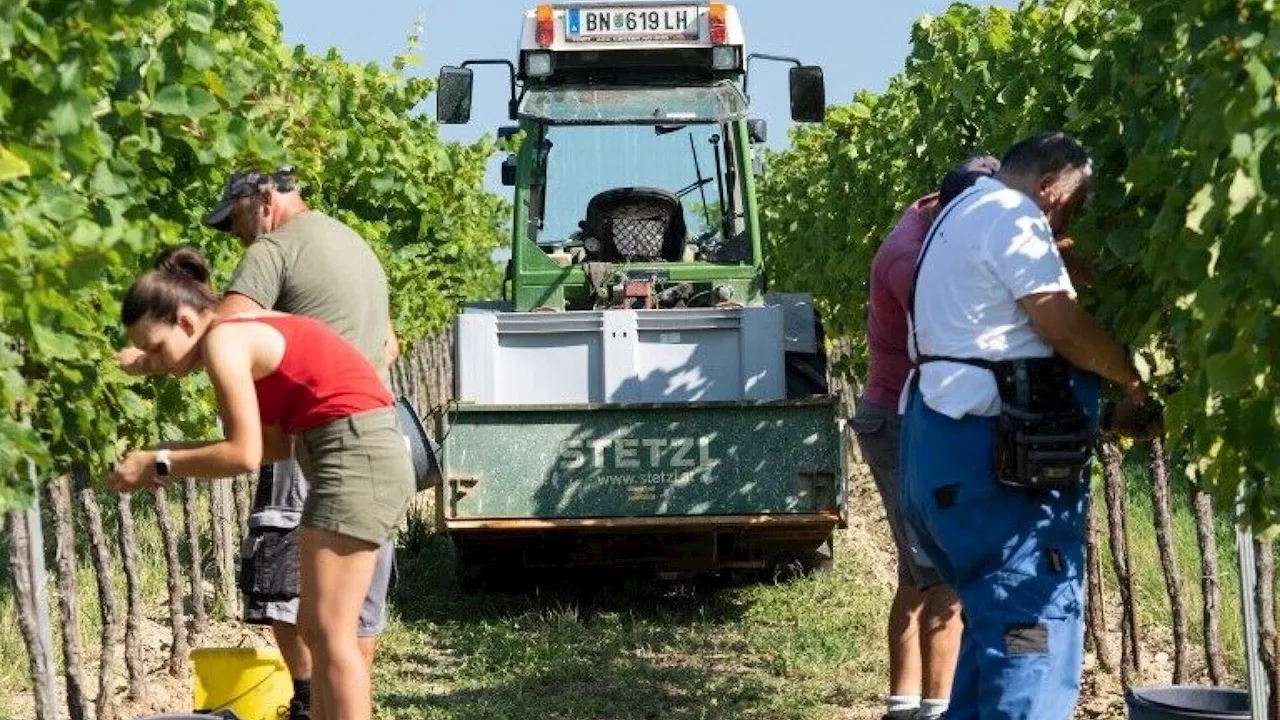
637, 162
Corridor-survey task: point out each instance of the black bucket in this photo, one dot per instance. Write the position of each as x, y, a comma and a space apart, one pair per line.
1187, 702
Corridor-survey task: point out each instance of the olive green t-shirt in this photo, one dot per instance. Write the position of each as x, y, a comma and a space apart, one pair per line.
316, 266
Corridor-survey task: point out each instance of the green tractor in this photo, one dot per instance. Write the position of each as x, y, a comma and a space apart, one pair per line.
638, 399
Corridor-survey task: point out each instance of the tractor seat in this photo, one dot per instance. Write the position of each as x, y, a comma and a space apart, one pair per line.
637, 224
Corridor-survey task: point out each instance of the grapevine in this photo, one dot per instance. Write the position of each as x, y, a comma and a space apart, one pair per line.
1179, 105
119, 121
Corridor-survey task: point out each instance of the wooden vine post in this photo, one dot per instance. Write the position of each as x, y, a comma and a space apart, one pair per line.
191, 519
1265, 599
39, 655
100, 556
1130, 651
133, 589
1202, 505
1097, 619
179, 648
224, 575
1162, 506
60, 499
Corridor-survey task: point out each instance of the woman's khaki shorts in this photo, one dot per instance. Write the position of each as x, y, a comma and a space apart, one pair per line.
360, 473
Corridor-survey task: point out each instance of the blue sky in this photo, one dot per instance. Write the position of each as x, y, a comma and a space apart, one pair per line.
860, 43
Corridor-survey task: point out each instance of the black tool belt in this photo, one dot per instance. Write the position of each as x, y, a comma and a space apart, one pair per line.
269, 564
1043, 436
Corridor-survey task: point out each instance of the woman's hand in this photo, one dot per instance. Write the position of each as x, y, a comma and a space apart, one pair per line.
135, 362
136, 471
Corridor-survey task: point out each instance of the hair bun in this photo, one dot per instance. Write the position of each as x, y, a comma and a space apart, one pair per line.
185, 263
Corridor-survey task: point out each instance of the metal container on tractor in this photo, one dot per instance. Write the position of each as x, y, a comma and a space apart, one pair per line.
637, 398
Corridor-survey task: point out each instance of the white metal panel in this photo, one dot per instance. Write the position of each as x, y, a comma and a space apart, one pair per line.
619, 333
661, 356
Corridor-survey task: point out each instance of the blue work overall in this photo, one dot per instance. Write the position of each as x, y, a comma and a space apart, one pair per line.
1014, 557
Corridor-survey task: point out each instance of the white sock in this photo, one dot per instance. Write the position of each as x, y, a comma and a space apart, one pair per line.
901, 707
932, 709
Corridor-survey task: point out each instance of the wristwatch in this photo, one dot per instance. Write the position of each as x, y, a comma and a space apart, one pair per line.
162, 463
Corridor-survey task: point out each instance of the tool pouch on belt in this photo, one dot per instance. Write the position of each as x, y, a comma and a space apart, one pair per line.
1043, 436
269, 564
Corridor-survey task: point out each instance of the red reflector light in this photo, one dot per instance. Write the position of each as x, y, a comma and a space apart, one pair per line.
546, 26
716, 20
634, 289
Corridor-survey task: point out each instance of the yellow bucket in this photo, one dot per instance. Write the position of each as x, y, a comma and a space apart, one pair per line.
253, 683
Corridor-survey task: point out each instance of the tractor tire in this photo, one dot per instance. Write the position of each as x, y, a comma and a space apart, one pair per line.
821, 560
792, 566
480, 568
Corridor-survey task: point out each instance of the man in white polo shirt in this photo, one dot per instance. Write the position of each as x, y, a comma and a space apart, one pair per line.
991, 287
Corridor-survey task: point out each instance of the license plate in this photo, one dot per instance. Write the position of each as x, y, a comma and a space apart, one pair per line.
604, 23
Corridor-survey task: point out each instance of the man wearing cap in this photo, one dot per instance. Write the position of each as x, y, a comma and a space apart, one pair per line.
924, 620
303, 262
994, 326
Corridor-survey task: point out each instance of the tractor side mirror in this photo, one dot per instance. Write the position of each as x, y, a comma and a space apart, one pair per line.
509, 171
758, 131
808, 94
453, 95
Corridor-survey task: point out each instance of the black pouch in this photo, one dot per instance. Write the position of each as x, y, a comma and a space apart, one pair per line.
1043, 436
269, 565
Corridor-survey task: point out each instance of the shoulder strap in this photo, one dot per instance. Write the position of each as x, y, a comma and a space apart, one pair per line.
921, 358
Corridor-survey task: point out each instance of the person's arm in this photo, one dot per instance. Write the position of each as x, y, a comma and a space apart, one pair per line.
228, 360
1024, 256
1076, 336
897, 274
233, 303
259, 277
1079, 267
393, 345
275, 445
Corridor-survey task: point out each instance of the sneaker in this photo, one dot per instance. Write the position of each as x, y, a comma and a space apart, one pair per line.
298, 712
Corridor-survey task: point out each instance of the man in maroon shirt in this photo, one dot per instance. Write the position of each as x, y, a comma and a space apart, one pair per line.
924, 620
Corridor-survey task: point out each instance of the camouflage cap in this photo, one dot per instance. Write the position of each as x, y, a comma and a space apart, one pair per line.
244, 183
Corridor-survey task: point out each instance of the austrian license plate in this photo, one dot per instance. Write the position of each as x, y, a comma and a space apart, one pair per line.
678, 22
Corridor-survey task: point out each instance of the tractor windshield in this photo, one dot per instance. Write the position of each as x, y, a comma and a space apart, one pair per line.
692, 163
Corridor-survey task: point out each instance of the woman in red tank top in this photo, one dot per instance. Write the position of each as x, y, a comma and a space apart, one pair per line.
286, 384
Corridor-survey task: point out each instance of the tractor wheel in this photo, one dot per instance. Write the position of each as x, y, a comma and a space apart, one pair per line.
480, 567
820, 560
794, 565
